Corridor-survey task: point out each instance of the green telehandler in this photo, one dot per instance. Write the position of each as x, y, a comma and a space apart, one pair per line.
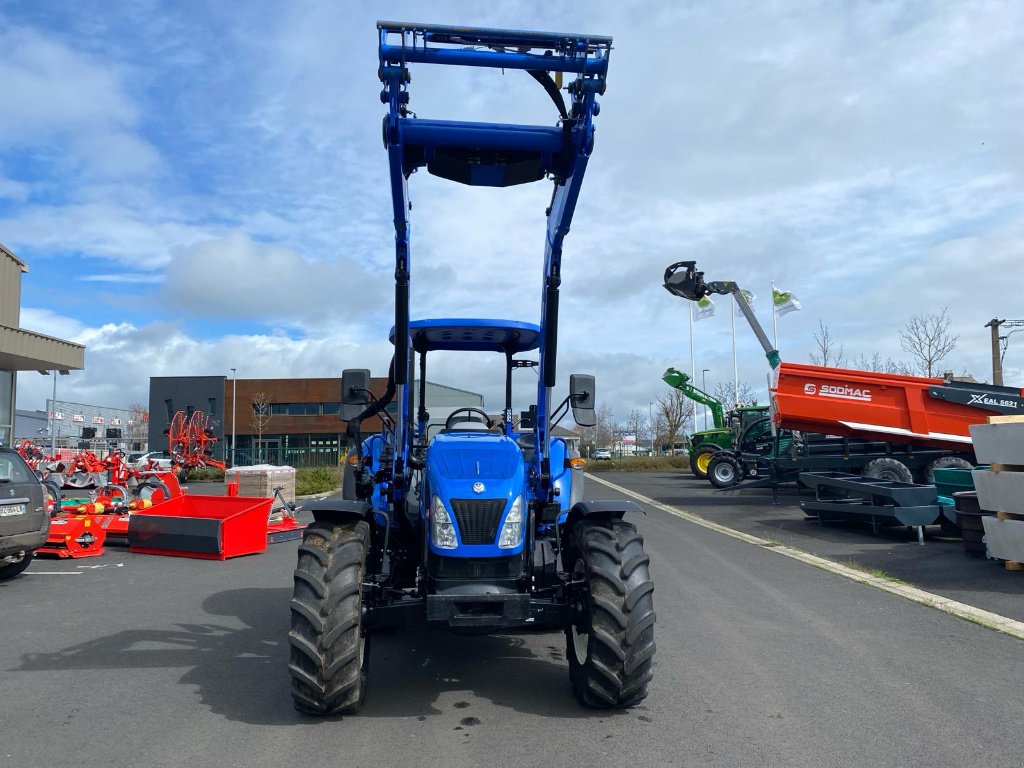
706, 443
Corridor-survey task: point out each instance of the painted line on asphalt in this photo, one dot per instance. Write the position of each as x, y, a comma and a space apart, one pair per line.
952, 607
52, 573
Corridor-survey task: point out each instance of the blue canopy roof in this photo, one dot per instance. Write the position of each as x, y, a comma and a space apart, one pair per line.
472, 335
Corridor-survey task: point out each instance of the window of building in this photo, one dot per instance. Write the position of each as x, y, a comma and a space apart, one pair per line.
279, 409
304, 409
331, 409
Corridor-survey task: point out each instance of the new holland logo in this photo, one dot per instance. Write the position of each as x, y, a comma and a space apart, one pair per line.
479, 488
839, 391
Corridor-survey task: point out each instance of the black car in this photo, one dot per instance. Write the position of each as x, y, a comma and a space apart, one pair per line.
24, 517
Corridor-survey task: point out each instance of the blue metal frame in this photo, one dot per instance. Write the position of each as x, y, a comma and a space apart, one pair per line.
559, 153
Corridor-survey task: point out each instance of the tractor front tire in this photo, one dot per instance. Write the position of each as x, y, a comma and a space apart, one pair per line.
725, 471
329, 649
700, 457
610, 645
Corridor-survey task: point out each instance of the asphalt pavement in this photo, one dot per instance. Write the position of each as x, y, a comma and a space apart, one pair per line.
133, 660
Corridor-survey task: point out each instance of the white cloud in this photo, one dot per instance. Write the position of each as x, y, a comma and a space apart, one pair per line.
69, 106
866, 157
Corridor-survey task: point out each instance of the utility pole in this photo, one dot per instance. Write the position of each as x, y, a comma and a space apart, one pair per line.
999, 345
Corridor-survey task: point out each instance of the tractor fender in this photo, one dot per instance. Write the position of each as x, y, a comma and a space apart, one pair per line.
602, 510
338, 510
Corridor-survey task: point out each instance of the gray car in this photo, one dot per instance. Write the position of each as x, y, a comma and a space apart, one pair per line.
24, 518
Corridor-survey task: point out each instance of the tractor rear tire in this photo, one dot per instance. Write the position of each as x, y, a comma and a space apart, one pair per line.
610, 645
329, 649
726, 471
886, 468
700, 457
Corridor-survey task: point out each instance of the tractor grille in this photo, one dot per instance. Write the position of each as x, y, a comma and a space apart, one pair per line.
478, 519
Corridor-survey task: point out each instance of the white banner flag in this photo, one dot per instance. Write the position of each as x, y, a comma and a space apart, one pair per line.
784, 302
703, 308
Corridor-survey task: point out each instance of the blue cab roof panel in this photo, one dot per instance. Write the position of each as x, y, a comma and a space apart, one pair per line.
472, 335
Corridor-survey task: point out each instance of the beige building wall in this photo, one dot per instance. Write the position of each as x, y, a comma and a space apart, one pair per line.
21, 349
11, 269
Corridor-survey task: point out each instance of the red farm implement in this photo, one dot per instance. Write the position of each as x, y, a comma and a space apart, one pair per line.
191, 441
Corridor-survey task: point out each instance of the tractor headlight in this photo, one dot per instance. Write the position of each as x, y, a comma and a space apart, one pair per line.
512, 528
444, 532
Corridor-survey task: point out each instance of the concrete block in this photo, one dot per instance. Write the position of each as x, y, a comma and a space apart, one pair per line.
999, 491
999, 443
1005, 538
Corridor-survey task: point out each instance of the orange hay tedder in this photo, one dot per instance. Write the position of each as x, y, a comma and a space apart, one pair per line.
191, 443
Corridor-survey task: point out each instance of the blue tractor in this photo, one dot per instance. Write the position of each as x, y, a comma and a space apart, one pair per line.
480, 526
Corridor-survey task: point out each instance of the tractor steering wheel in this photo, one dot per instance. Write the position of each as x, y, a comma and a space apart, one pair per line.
451, 421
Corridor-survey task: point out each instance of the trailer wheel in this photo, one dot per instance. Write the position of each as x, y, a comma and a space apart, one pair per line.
153, 490
329, 648
610, 643
725, 470
945, 462
52, 491
9, 567
700, 458
886, 468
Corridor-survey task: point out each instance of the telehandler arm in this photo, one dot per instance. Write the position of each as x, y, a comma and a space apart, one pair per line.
679, 380
683, 279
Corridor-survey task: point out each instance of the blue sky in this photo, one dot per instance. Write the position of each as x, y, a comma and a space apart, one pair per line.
201, 186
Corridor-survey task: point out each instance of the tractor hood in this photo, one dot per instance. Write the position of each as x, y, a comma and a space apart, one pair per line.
474, 456
477, 476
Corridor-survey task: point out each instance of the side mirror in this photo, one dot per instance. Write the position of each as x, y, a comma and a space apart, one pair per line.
582, 397
355, 383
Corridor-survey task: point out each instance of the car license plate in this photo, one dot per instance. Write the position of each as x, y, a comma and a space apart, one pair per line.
9, 510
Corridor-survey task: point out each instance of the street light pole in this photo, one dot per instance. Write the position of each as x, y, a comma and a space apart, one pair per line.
704, 386
234, 398
53, 416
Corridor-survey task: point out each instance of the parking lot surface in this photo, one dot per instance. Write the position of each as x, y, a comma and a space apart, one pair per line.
133, 660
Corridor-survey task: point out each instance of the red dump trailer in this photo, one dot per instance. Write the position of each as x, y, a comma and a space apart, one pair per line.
884, 406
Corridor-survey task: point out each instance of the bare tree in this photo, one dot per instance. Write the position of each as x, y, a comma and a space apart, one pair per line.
601, 435
731, 396
829, 354
883, 365
636, 425
927, 338
673, 413
260, 417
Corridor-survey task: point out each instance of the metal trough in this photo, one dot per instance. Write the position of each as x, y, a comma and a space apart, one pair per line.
842, 496
205, 527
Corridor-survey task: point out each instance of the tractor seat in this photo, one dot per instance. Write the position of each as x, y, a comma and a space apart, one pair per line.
466, 426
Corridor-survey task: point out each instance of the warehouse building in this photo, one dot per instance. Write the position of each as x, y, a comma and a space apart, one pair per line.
277, 421
24, 350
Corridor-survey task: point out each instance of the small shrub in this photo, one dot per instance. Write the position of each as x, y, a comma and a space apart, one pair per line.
641, 464
315, 480
205, 474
